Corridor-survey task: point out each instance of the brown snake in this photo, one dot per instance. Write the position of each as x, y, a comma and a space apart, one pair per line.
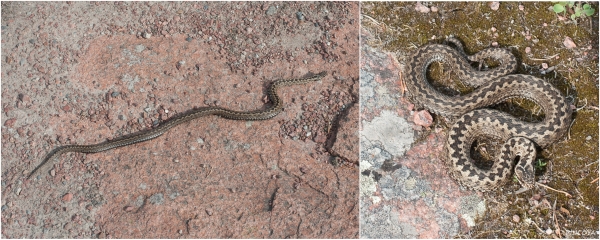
473, 121
270, 112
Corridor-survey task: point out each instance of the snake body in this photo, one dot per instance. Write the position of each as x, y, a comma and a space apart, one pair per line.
473, 121
142, 136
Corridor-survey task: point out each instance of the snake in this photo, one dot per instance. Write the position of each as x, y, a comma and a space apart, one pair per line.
471, 118
269, 112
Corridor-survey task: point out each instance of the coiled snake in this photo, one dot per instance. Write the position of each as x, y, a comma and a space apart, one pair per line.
270, 112
473, 121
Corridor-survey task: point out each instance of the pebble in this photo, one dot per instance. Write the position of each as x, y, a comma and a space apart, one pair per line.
494, 5
300, 16
569, 43
209, 211
516, 218
421, 8
67, 197
10, 122
272, 10
128, 208
544, 65
189, 39
527, 50
115, 94
4, 207
423, 118
588, 138
146, 35
548, 231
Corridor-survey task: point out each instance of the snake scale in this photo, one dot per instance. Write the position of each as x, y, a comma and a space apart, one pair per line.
275, 108
472, 121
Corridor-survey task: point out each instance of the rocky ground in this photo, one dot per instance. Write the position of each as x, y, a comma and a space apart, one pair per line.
82, 73
405, 189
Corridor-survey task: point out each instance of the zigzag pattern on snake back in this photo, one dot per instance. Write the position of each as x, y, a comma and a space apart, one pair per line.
275, 108
473, 121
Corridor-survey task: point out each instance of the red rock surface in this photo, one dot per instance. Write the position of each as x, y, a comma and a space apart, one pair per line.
94, 71
404, 194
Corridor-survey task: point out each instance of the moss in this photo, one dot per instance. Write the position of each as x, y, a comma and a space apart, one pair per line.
399, 28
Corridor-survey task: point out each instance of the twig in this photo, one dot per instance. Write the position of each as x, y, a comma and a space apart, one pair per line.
544, 59
569, 132
593, 107
555, 221
563, 192
590, 164
372, 19
584, 105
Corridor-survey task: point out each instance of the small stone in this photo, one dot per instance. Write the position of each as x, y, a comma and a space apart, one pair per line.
423, 118
494, 44
53, 172
189, 39
493, 29
548, 231
272, 10
527, 50
421, 8
67, 197
434, 9
115, 94
516, 218
10, 122
128, 208
147, 35
209, 211
494, 5
521, 7
66, 108
300, 16
569, 43
544, 66
588, 138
